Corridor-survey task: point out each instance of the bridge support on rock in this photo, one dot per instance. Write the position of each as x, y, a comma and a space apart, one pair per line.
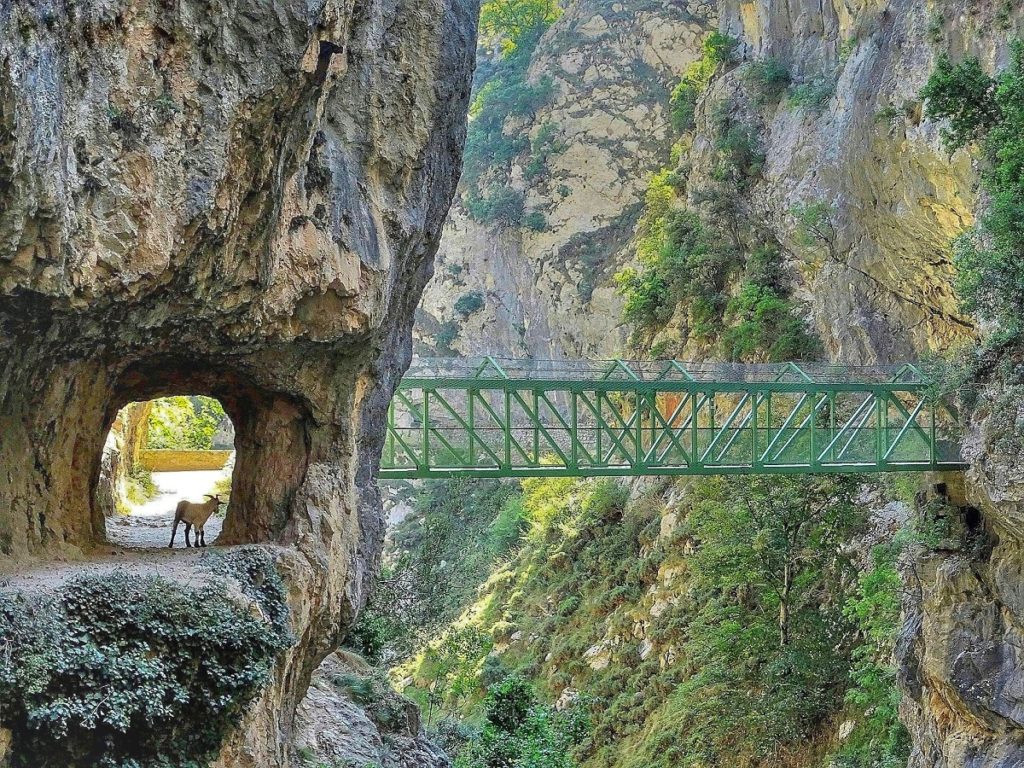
529, 418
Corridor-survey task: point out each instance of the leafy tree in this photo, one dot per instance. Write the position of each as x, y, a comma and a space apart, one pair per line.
964, 95
879, 739
514, 21
447, 547
184, 423
521, 732
990, 257
768, 582
450, 664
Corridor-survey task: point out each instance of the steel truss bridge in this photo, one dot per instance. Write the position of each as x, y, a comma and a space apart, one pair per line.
490, 417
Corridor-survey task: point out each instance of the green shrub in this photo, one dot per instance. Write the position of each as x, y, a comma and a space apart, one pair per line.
520, 732
139, 485
990, 257
762, 321
740, 156
124, 672
717, 49
692, 263
813, 96
468, 303
544, 145
535, 221
447, 335
501, 206
767, 79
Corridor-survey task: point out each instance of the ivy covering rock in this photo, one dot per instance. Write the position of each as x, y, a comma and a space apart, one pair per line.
118, 671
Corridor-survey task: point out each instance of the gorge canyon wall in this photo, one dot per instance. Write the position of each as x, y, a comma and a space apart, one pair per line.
876, 288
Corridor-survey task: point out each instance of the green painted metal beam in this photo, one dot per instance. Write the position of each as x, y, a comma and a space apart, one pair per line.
513, 418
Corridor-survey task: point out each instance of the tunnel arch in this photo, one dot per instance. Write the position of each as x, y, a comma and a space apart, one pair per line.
272, 440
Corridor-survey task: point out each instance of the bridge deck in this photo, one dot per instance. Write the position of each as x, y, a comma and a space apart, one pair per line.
528, 418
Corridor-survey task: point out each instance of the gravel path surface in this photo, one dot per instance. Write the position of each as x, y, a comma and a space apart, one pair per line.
137, 543
149, 525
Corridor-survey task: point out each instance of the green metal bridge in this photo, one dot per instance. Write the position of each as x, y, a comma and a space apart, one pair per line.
528, 418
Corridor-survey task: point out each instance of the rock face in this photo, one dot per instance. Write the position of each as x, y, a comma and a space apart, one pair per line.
960, 652
883, 292
241, 201
549, 293
349, 718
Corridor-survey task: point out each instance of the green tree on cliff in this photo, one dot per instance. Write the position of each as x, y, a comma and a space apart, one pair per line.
513, 21
988, 111
767, 583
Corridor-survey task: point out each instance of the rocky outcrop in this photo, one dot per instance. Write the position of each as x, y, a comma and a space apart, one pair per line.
549, 293
352, 718
240, 201
960, 652
883, 290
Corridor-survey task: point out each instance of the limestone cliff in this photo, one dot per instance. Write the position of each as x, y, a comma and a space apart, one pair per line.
239, 200
548, 293
960, 651
858, 145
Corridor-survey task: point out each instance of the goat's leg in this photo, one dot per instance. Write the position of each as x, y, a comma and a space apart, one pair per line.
201, 537
188, 530
174, 531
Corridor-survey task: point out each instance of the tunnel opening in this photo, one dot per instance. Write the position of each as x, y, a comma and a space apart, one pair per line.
157, 453
205, 416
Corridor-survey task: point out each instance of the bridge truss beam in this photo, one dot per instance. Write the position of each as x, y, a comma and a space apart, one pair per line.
631, 419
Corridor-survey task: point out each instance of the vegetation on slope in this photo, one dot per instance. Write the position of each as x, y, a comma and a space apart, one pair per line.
504, 95
988, 111
705, 266
124, 672
698, 621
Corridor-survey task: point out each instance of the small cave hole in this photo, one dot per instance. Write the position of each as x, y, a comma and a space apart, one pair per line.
160, 452
972, 519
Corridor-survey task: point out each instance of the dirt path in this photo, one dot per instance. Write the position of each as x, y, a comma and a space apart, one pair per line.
137, 543
149, 525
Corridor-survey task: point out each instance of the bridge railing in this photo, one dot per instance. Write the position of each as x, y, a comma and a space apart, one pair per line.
495, 418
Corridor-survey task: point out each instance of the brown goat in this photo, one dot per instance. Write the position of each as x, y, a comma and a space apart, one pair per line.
194, 515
